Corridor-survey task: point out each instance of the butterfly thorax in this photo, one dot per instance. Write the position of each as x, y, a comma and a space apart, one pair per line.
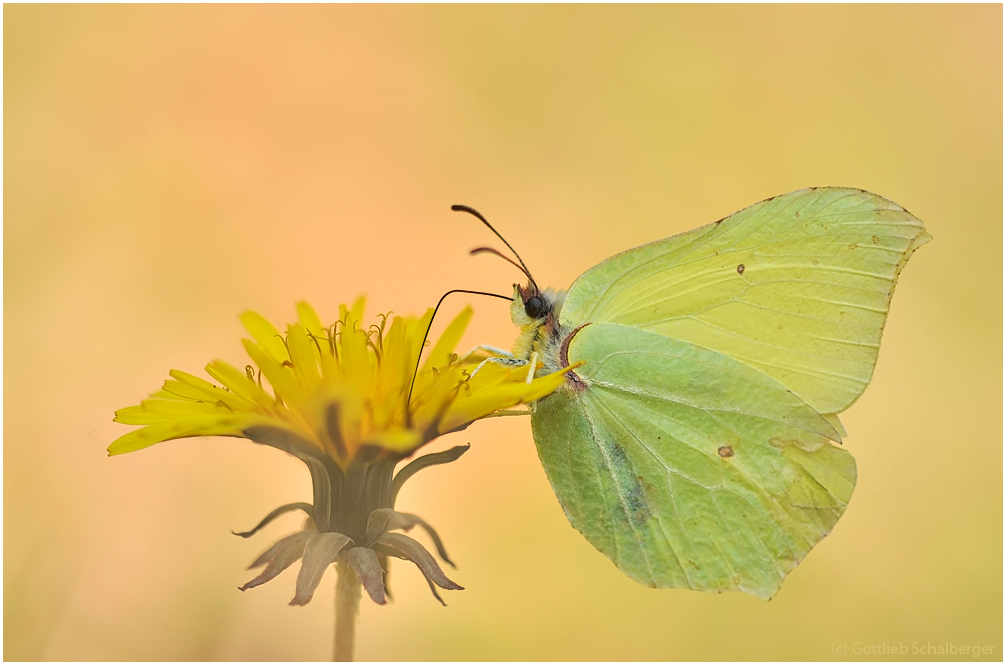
539, 334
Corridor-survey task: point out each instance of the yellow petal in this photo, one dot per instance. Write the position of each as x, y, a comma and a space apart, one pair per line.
309, 319
164, 394
441, 353
137, 415
357, 309
304, 356
398, 440
356, 360
207, 390
282, 379
151, 411
212, 425
239, 383
266, 335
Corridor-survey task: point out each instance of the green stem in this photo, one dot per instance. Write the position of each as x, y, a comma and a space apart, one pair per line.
347, 609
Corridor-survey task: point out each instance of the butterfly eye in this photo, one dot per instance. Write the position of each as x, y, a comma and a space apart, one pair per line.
535, 307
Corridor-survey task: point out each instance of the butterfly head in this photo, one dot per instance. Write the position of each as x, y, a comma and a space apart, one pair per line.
535, 304
530, 307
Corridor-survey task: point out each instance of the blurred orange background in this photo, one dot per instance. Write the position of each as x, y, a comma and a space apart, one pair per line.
167, 167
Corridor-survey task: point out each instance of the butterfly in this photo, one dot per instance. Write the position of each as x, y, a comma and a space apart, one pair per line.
697, 444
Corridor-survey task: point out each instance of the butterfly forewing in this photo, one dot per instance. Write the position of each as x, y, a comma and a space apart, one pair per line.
797, 287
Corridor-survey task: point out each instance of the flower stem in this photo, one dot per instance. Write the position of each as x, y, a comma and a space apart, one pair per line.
347, 610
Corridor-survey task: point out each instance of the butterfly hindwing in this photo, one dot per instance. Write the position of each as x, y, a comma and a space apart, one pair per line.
686, 467
797, 286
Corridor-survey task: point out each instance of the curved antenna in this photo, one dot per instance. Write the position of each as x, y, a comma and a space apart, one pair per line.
472, 211
491, 250
408, 401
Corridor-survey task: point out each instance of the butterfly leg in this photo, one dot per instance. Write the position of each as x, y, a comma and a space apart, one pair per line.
491, 351
505, 362
512, 362
532, 366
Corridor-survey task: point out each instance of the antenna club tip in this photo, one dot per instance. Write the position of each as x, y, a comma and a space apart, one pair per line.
457, 207
476, 213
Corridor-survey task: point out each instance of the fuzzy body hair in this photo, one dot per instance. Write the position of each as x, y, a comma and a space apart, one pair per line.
543, 335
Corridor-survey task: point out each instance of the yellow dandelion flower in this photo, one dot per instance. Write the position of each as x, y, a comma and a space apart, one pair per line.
335, 390
351, 402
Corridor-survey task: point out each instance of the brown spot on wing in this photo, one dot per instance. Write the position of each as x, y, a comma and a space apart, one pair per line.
741, 269
725, 451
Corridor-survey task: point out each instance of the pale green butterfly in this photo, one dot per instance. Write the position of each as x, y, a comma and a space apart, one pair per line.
696, 446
